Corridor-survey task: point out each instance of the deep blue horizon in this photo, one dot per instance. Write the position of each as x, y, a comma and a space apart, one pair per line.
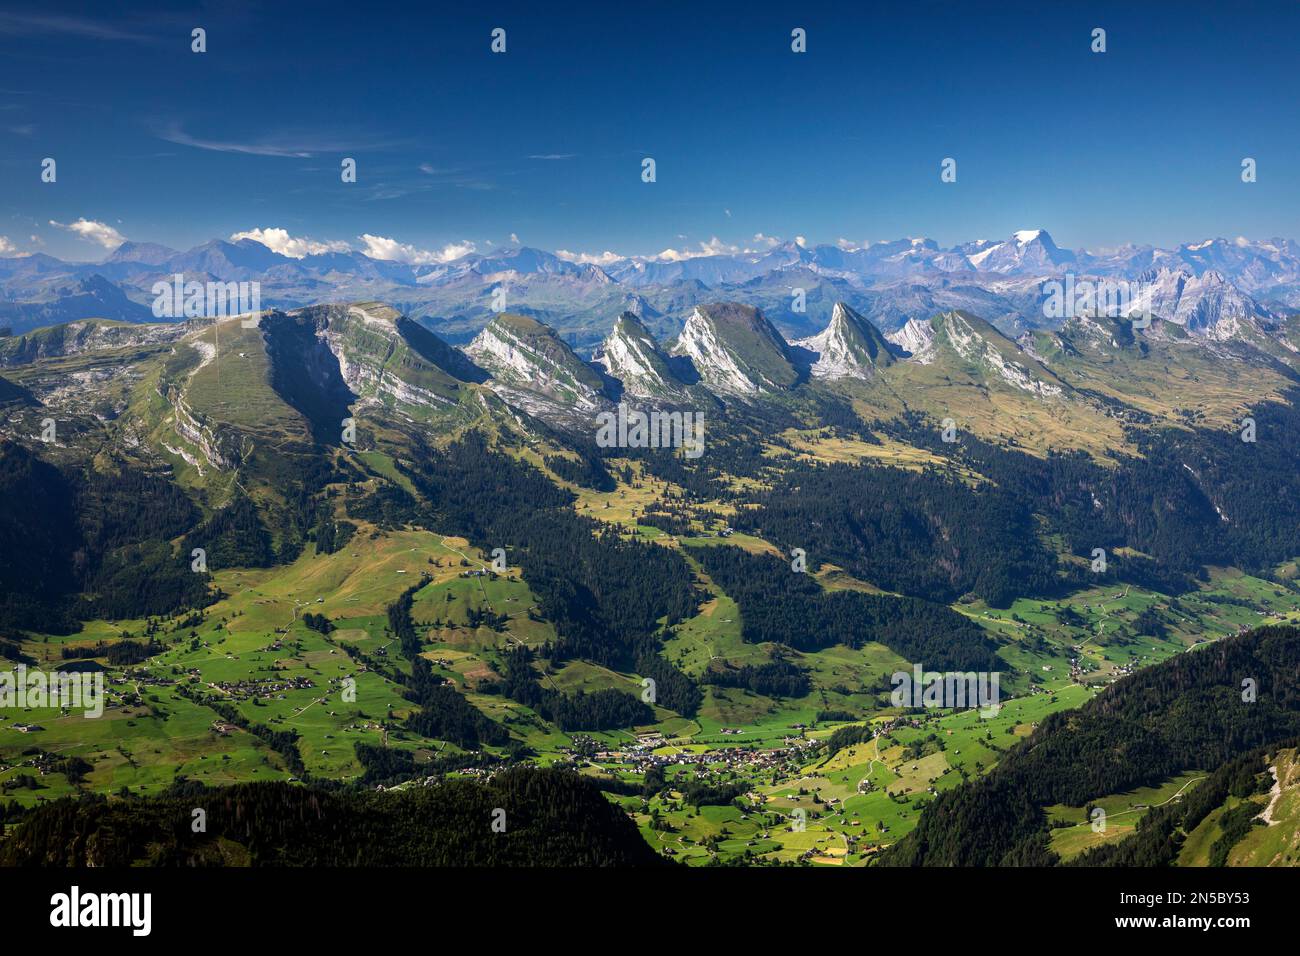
457, 147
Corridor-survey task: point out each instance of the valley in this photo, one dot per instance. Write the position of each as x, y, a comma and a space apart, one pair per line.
332, 550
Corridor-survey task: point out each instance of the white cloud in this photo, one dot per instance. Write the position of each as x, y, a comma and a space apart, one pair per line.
588, 258
716, 247
514, 238
390, 250
847, 245
454, 250
295, 247
801, 242
92, 231
7, 247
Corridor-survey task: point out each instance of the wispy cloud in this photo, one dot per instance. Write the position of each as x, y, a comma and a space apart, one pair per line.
174, 134
289, 144
22, 24
553, 156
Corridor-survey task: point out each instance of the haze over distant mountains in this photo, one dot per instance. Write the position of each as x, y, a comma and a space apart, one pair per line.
1206, 286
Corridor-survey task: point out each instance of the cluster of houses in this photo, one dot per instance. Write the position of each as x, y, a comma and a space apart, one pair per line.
640, 757
42, 761
137, 677
268, 689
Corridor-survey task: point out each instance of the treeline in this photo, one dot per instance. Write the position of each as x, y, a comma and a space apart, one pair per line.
667, 522
552, 818
918, 533
90, 543
607, 709
1189, 712
283, 742
444, 714
317, 622
1163, 829
780, 605
847, 737
233, 537
384, 765
332, 536
100, 545
1192, 497
673, 689
605, 593
587, 471
776, 678
391, 765
698, 793
119, 653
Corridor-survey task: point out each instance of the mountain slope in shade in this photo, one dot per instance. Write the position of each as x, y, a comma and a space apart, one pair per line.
631, 355
558, 819
9, 393
381, 355
1135, 733
736, 351
849, 347
66, 300
533, 368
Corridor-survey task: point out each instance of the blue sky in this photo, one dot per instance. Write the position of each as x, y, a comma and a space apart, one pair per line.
458, 146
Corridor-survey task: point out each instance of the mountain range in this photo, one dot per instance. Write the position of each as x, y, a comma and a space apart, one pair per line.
1209, 286
344, 475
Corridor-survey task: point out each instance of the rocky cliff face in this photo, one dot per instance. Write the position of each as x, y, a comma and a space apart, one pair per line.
631, 355
534, 368
849, 347
736, 351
